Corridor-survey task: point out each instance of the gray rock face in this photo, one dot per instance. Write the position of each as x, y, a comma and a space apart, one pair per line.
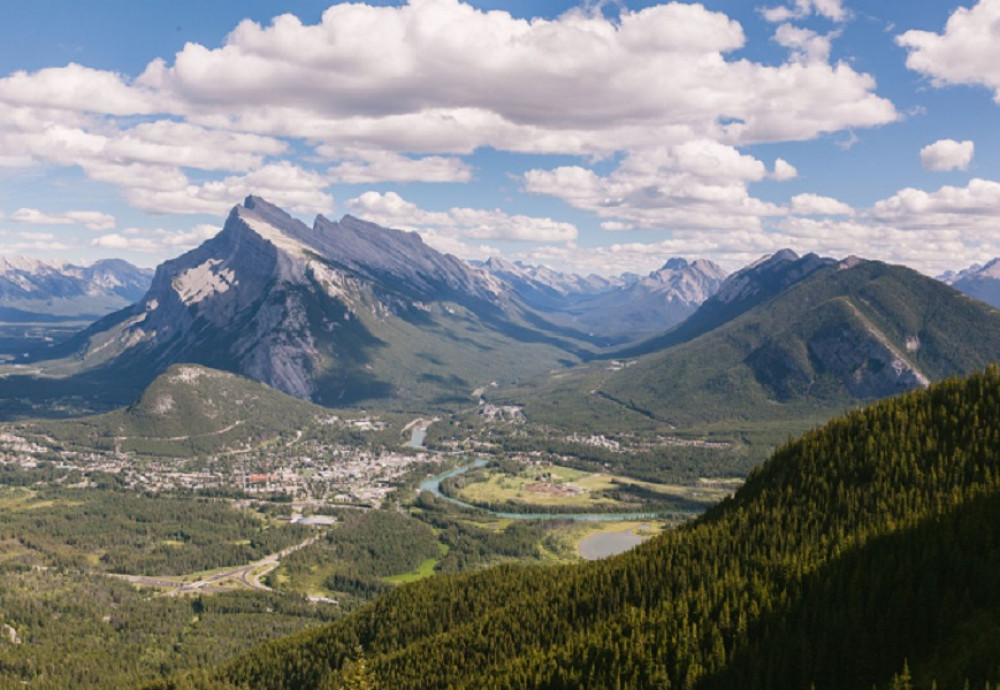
769, 275
866, 362
277, 301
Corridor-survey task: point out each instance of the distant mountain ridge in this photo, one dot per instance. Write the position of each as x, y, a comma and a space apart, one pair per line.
978, 282
545, 288
619, 309
788, 338
32, 289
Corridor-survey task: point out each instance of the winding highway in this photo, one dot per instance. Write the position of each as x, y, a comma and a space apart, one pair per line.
248, 575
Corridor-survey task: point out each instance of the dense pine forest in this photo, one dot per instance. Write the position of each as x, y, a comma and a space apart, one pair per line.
865, 554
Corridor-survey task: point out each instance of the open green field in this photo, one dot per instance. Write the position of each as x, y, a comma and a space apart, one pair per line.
425, 569
557, 487
540, 489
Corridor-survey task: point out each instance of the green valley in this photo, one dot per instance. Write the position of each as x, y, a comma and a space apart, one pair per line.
867, 547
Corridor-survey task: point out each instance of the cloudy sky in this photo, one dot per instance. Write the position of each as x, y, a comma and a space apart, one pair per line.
603, 136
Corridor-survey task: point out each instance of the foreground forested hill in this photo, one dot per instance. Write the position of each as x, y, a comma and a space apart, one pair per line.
860, 555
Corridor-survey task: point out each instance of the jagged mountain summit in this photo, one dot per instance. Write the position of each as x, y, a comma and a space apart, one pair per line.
337, 313
35, 290
978, 282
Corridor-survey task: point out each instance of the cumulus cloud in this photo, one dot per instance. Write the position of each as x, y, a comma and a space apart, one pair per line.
695, 185
783, 170
283, 184
800, 9
34, 242
453, 77
616, 226
385, 166
929, 230
155, 241
79, 88
392, 210
813, 204
806, 46
972, 207
967, 52
92, 220
947, 154
400, 93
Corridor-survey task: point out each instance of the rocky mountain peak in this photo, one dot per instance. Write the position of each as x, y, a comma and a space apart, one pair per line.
675, 264
769, 275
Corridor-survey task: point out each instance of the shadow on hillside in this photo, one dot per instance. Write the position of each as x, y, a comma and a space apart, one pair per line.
23, 397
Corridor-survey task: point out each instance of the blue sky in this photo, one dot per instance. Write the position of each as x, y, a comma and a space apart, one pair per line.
596, 137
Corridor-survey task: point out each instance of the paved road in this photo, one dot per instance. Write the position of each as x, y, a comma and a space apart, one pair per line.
248, 574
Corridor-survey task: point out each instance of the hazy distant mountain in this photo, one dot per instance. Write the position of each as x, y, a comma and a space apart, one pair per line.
35, 290
651, 304
979, 282
547, 289
337, 313
613, 310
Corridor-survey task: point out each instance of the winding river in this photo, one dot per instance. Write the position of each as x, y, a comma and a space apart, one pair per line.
434, 486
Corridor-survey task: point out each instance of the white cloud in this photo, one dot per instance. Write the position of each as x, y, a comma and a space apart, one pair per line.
392, 210
282, 184
930, 231
800, 9
385, 166
974, 207
806, 46
453, 78
399, 93
813, 204
696, 185
33, 242
967, 52
616, 226
92, 220
79, 88
783, 170
947, 154
157, 241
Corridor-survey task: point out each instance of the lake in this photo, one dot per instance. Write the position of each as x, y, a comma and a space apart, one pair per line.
605, 544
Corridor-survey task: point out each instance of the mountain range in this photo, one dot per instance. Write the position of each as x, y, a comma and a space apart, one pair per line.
788, 340
46, 291
979, 282
347, 312
337, 313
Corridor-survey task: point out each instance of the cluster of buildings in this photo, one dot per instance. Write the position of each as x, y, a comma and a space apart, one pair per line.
310, 472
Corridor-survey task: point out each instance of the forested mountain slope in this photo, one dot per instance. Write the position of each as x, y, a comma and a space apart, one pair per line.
847, 333
869, 545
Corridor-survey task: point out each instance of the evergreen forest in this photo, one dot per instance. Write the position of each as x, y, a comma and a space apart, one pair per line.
864, 554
